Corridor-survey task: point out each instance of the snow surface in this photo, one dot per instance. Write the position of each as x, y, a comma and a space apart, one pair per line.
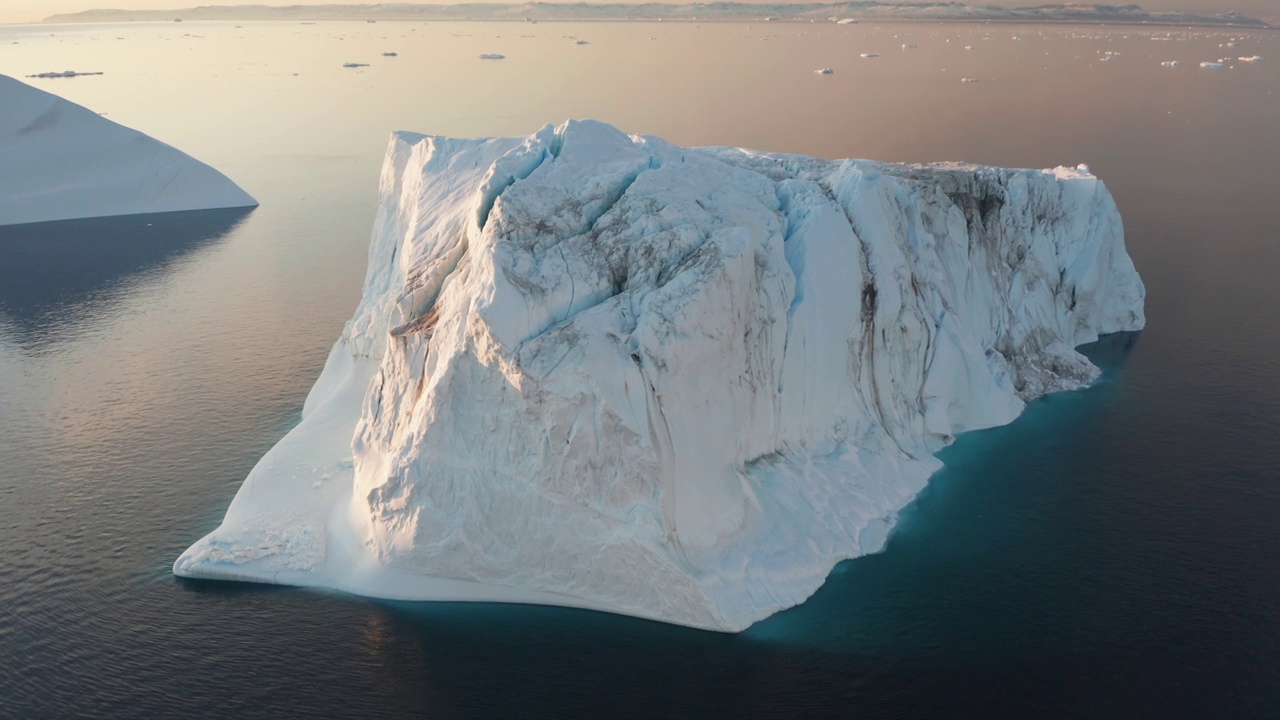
594, 369
62, 161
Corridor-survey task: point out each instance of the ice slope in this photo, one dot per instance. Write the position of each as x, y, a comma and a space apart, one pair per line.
599, 370
60, 161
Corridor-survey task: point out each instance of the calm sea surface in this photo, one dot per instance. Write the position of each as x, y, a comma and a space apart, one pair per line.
1113, 553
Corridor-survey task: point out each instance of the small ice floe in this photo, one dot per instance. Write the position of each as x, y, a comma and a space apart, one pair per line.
1213, 65
63, 74
870, 55
968, 80
1171, 63
581, 42
355, 65
1110, 55
1251, 59
968, 47
846, 21
908, 46
390, 54
824, 71
492, 56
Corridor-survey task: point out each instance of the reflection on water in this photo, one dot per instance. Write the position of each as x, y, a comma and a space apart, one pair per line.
56, 276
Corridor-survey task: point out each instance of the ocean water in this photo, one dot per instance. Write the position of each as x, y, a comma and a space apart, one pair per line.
1113, 553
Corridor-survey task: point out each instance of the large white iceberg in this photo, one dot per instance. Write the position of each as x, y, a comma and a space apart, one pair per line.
597, 370
60, 161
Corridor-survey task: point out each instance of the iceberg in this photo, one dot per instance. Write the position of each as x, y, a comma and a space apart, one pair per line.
598, 370
62, 74
62, 161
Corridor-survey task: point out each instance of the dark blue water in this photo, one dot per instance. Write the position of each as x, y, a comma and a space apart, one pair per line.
1113, 553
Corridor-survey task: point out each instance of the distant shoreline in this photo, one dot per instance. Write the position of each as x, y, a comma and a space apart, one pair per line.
686, 21
806, 13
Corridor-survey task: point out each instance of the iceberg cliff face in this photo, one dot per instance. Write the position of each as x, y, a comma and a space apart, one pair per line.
598, 370
60, 161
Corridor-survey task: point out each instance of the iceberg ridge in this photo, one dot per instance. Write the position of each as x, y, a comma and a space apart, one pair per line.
598, 370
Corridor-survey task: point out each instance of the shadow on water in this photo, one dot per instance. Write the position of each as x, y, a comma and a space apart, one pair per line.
53, 275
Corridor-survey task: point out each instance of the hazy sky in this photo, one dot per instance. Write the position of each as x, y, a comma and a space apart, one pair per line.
30, 10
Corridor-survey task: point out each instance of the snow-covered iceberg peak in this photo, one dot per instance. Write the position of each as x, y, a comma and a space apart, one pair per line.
60, 161
594, 369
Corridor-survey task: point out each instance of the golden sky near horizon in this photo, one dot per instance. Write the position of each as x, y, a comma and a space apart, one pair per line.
34, 10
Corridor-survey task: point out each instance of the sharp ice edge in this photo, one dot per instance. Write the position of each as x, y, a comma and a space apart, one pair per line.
598, 370
61, 161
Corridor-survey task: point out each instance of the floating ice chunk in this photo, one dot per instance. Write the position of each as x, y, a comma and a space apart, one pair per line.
63, 74
825, 71
581, 42
1212, 65
355, 65
1171, 63
390, 54
492, 56
594, 369
870, 55
968, 80
847, 21
908, 46
968, 47
1251, 59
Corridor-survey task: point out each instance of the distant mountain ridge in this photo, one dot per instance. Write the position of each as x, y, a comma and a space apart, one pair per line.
1056, 13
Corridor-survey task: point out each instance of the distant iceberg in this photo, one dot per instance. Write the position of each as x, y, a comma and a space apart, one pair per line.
597, 370
61, 161
62, 74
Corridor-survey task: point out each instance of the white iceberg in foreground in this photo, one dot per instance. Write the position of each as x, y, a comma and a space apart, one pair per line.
597, 370
60, 161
